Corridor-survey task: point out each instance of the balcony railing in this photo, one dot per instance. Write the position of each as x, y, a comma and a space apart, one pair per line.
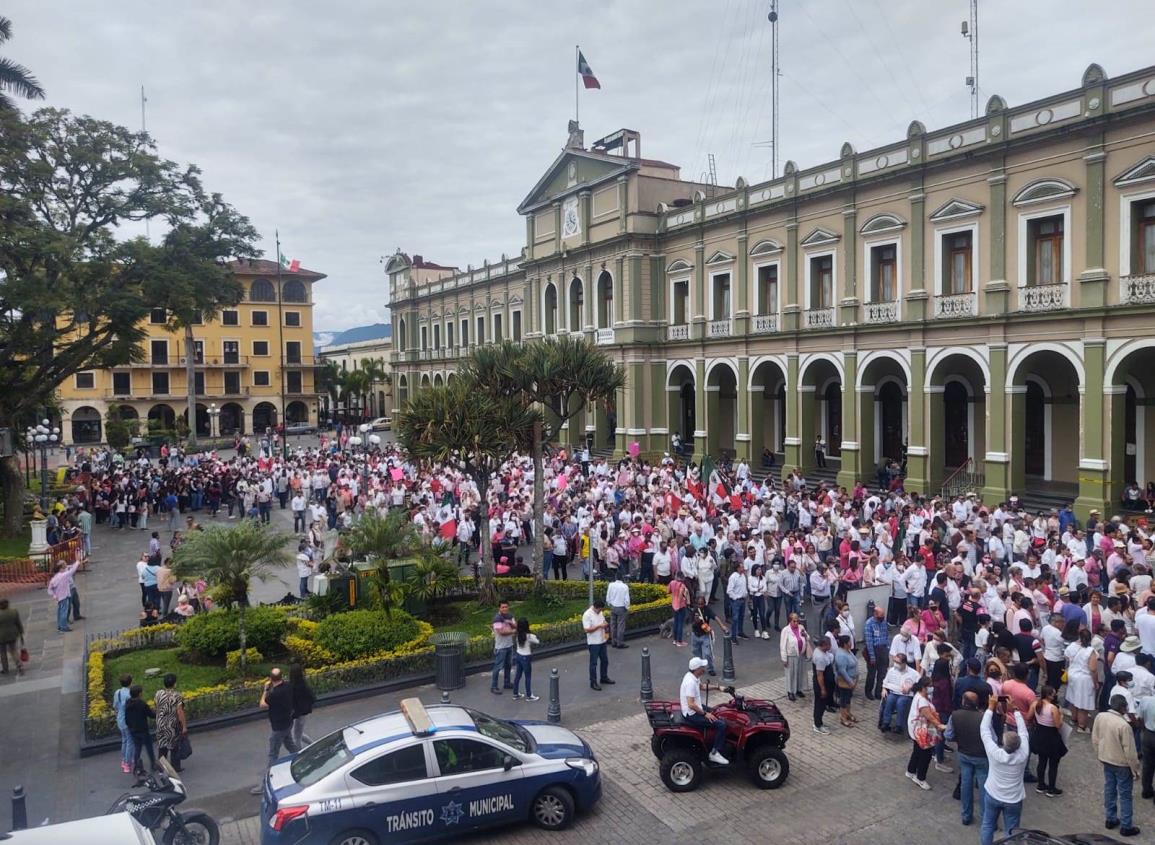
880, 312
719, 328
818, 318
955, 305
605, 337
1043, 297
680, 331
765, 324
1137, 290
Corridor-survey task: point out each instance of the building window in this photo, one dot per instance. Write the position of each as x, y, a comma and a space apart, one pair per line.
232, 383
576, 300
550, 320
1143, 237
158, 316
605, 300
680, 303
199, 384
883, 273
199, 351
480, 330
158, 350
293, 319
260, 318
498, 331
232, 351
517, 326
424, 337
293, 351
293, 381
465, 332
822, 281
957, 262
1045, 250
294, 291
198, 319
160, 384
122, 384
767, 295
260, 347
230, 318
720, 285
449, 335
402, 340
261, 378
261, 290
85, 381
437, 336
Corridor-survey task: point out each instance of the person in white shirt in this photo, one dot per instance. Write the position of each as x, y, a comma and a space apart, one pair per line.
1145, 627
1054, 648
905, 644
618, 598
737, 590
304, 567
1006, 762
596, 627
696, 714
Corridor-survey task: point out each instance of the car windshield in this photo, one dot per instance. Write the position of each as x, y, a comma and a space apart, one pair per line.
319, 759
514, 736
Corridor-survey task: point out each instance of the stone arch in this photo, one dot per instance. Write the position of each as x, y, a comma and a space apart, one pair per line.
264, 416
1116, 358
767, 395
86, 425
721, 408
162, 415
936, 357
821, 380
549, 309
604, 318
438, 381
297, 412
1044, 383
232, 419
1015, 365
575, 299
807, 361
868, 365
681, 400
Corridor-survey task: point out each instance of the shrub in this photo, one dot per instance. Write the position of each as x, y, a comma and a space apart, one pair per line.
308, 652
233, 661
212, 635
363, 632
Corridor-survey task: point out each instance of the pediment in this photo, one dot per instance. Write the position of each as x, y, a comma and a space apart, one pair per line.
571, 171
515, 300
820, 237
955, 209
766, 247
397, 262
1144, 171
882, 223
679, 266
720, 257
1044, 190
462, 309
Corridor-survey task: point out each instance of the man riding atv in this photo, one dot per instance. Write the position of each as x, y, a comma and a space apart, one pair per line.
696, 714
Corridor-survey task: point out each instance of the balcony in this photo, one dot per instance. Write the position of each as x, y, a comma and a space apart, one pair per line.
818, 318
1137, 290
678, 332
719, 328
238, 361
765, 324
1043, 297
605, 337
880, 312
956, 305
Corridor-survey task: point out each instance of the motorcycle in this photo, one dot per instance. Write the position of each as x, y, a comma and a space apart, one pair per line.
156, 809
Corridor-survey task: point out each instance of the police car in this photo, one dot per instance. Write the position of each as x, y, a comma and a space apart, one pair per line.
423, 773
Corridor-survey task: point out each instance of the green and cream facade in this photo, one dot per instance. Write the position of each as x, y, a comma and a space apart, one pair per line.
983, 293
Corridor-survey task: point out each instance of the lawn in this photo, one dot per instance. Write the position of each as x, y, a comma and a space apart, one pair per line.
15, 546
466, 615
188, 675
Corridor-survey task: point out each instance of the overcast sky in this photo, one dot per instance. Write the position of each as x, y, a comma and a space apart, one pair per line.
360, 126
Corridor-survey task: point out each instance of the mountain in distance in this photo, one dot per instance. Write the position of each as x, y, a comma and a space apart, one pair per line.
374, 331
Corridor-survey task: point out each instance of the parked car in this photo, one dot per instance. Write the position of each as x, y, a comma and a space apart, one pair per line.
300, 428
382, 424
118, 829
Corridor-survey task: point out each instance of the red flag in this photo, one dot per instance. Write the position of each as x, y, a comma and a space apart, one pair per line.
449, 529
720, 490
587, 75
294, 266
695, 488
673, 502
736, 502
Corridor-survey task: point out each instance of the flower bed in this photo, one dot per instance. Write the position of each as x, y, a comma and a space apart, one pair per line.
329, 674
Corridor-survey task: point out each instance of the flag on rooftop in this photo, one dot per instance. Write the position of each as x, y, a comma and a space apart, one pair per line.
587, 74
292, 266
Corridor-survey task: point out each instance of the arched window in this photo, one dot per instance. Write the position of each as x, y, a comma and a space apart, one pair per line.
550, 320
294, 291
261, 290
605, 300
401, 337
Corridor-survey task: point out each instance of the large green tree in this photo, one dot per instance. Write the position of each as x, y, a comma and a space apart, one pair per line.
560, 376
15, 78
460, 425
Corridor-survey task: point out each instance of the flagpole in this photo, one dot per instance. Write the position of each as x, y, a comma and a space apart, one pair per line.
577, 51
281, 339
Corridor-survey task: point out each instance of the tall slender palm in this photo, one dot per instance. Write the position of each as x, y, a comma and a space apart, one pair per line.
15, 77
233, 555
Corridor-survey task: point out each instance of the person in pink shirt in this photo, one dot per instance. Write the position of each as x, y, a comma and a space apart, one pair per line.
679, 600
60, 588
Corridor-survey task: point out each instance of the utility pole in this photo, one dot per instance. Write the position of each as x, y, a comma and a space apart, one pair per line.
773, 16
970, 31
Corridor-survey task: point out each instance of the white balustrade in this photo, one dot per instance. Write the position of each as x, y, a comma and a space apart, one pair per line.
880, 312
952, 306
719, 328
1137, 290
605, 337
678, 332
1043, 297
765, 323
818, 318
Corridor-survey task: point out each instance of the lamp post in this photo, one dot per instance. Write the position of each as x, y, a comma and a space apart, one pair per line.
214, 413
43, 435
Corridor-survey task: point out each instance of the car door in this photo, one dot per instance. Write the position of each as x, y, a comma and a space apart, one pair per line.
480, 783
392, 794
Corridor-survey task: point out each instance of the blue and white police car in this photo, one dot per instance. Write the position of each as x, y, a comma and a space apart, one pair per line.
423, 773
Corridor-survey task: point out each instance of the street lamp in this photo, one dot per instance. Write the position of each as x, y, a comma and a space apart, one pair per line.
214, 412
43, 436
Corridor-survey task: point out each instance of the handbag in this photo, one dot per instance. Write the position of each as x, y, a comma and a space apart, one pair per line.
24, 658
842, 684
184, 749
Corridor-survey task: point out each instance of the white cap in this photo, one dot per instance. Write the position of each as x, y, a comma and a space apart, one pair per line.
698, 663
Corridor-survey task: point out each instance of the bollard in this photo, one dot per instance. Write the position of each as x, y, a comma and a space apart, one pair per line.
19, 810
647, 680
553, 714
444, 697
727, 661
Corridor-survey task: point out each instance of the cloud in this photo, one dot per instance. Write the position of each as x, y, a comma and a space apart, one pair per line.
359, 127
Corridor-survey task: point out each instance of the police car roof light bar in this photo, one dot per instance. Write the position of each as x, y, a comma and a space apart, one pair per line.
414, 712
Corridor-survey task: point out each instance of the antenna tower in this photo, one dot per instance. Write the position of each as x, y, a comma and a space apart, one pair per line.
774, 72
970, 31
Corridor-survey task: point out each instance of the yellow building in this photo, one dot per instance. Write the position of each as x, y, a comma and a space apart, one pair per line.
254, 366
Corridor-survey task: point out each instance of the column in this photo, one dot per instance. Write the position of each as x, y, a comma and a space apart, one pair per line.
657, 290
700, 414
659, 422
792, 453
623, 202
589, 298
997, 290
1093, 280
791, 318
851, 465
917, 462
741, 315
698, 319
997, 459
916, 298
936, 434
619, 315
584, 215
742, 437
848, 307
1115, 426
634, 276
1094, 479
557, 228
532, 309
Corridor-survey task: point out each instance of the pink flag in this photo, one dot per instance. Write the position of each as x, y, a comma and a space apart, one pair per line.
397, 473
562, 482
635, 449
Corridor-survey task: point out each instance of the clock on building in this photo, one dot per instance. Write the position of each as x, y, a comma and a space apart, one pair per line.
571, 223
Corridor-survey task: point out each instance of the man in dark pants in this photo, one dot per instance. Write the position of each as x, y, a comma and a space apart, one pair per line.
597, 630
694, 713
877, 651
1147, 736
822, 662
964, 728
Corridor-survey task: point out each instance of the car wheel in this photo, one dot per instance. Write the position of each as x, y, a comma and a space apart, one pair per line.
681, 770
768, 767
354, 837
552, 809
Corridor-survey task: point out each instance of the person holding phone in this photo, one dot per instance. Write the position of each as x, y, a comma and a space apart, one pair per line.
277, 699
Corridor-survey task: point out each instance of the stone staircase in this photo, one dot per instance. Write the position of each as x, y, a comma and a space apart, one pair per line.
1048, 496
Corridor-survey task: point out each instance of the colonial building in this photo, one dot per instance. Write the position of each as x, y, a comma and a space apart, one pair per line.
982, 296
351, 350
254, 366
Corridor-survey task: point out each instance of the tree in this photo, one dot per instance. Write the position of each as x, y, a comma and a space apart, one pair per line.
354, 385
233, 555
432, 576
327, 377
72, 297
375, 373
381, 540
15, 77
459, 425
562, 374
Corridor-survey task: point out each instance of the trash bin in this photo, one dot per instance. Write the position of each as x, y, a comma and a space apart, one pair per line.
449, 659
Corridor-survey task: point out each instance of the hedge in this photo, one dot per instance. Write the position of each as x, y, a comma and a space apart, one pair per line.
214, 634
358, 633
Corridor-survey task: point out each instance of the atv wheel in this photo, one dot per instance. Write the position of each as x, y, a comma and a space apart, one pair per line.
768, 767
681, 770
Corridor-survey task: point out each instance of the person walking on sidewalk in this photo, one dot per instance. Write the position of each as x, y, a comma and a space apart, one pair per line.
596, 627
1114, 743
277, 699
60, 588
171, 723
525, 641
11, 633
303, 700
119, 700
504, 627
618, 598
136, 716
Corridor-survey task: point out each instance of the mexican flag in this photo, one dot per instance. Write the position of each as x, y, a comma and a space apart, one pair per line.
292, 266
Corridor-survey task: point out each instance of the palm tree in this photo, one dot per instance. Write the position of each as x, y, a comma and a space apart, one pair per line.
454, 424
354, 385
233, 555
328, 380
432, 576
382, 540
376, 373
15, 77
